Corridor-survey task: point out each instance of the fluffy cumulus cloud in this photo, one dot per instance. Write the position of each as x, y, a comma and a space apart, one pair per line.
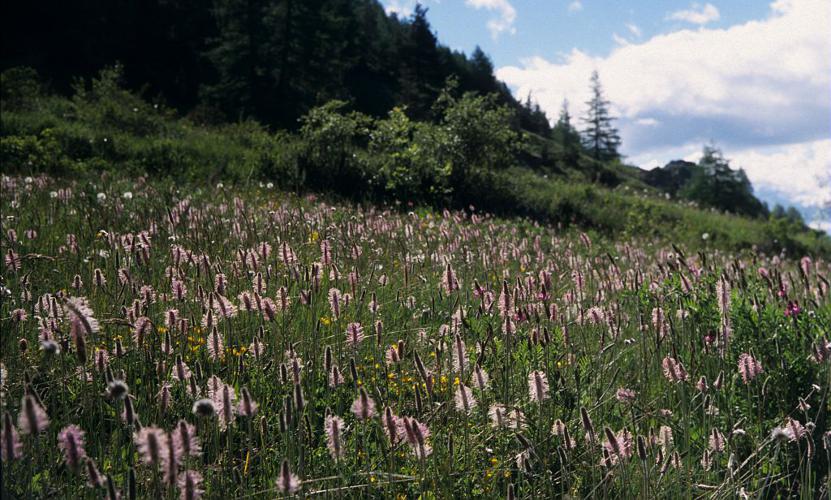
696, 14
401, 8
771, 168
761, 90
503, 18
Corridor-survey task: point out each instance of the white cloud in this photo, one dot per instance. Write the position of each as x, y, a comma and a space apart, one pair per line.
761, 90
401, 8
647, 122
822, 225
761, 82
697, 14
619, 40
800, 172
634, 29
575, 6
504, 12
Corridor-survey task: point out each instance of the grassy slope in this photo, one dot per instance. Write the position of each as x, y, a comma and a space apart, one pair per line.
585, 363
130, 136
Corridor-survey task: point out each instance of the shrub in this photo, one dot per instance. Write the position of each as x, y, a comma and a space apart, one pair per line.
406, 158
20, 89
31, 153
274, 157
103, 102
331, 140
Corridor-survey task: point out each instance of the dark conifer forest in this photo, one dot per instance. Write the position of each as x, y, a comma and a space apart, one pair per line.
271, 60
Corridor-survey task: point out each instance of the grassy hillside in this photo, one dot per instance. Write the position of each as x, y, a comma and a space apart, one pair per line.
469, 158
323, 349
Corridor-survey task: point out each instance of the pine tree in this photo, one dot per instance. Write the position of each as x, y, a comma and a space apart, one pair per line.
237, 54
600, 138
717, 185
420, 78
566, 135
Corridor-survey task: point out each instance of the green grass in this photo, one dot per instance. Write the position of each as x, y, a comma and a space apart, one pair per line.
605, 334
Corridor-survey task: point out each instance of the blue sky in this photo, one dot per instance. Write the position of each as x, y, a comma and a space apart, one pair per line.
753, 76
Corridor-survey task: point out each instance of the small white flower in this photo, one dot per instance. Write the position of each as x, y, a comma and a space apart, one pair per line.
53, 194
220, 185
269, 185
29, 180
705, 236
101, 196
127, 195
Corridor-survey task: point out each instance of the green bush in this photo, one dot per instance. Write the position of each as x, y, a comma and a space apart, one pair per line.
32, 153
406, 162
103, 102
331, 143
274, 157
20, 89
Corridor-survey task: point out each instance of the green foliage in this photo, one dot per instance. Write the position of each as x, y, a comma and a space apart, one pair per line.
478, 139
20, 88
791, 214
600, 137
567, 137
31, 153
331, 141
407, 164
468, 158
104, 103
714, 184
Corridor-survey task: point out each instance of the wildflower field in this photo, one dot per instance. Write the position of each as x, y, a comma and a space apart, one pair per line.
162, 341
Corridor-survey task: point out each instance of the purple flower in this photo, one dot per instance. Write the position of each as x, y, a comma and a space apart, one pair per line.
749, 367
673, 370
247, 406
71, 442
538, 386
190, 485
354, 334
333, 426
465, 402
32, 418
150, 442
186, 439
363, 407
287, 482
10, 447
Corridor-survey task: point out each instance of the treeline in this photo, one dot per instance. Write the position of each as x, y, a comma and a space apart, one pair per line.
467, 156
271, 60
336, 148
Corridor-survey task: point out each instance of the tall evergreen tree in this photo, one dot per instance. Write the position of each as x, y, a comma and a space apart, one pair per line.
600, 137
566, 135
237, 54
716, 185
481, 66
419, 77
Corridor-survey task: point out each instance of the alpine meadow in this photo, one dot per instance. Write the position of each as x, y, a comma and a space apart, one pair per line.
275, 248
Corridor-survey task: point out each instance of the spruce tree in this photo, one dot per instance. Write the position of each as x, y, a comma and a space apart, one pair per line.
566, 135
600, 138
